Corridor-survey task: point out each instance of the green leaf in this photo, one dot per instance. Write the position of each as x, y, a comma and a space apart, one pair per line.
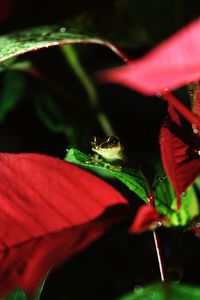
133, 179
8, 63
165, 198
166, 203
33, 39
18, 294
159, 291
11, 92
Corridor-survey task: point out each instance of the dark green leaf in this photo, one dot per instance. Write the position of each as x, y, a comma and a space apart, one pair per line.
161, 292
33, 39
165, 198
133, 179
11, 92
17, 295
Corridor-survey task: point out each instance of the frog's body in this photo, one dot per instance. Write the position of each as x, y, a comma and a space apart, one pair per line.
109, 149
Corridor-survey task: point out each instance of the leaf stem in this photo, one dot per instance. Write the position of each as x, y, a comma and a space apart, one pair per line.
159, 256
163, 276
73, 59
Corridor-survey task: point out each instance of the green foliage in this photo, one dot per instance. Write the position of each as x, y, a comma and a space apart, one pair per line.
18, 294
17, 43
11, 92
159, 291
7, 64
166, 203
133, 179
165, 198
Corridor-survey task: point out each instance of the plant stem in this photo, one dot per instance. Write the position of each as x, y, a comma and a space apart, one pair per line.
159, 256
163, 275
73, 59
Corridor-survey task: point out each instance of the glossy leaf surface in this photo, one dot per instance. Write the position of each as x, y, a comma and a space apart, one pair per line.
47, 207
134, 180
165, 198
33, 39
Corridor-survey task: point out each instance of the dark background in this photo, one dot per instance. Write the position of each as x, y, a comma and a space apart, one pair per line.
117, 263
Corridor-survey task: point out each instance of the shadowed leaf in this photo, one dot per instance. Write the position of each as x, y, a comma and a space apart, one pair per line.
11, 93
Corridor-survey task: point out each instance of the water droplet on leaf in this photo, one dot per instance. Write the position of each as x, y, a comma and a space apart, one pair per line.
195, 129
193, 152
165, 90
62, 29
138, 289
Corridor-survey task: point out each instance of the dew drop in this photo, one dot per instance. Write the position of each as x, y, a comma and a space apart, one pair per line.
193, 152
194, 128
159, 95
183, 194
62, 29
165, 90
138, 289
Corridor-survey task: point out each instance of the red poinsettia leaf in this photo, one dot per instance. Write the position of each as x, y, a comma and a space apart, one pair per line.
50, 210
172, 64
179, 150
147, 218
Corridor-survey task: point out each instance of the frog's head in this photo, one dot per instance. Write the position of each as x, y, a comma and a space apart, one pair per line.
109, 148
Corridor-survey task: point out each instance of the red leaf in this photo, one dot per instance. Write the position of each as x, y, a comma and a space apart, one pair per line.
147, 218
50, 210
179, 150
172, 64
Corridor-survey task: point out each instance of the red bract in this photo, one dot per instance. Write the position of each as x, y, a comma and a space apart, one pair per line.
147, 218
50, 210
180, 152
172, 64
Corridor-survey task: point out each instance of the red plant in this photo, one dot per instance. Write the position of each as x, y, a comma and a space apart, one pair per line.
50, 210
170, 65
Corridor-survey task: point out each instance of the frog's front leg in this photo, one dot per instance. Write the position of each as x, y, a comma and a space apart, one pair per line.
95, 159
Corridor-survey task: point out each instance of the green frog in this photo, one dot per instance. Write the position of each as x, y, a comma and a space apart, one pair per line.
110, 150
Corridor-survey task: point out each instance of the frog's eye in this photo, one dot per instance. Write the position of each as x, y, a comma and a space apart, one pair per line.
93, 141
114, 140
